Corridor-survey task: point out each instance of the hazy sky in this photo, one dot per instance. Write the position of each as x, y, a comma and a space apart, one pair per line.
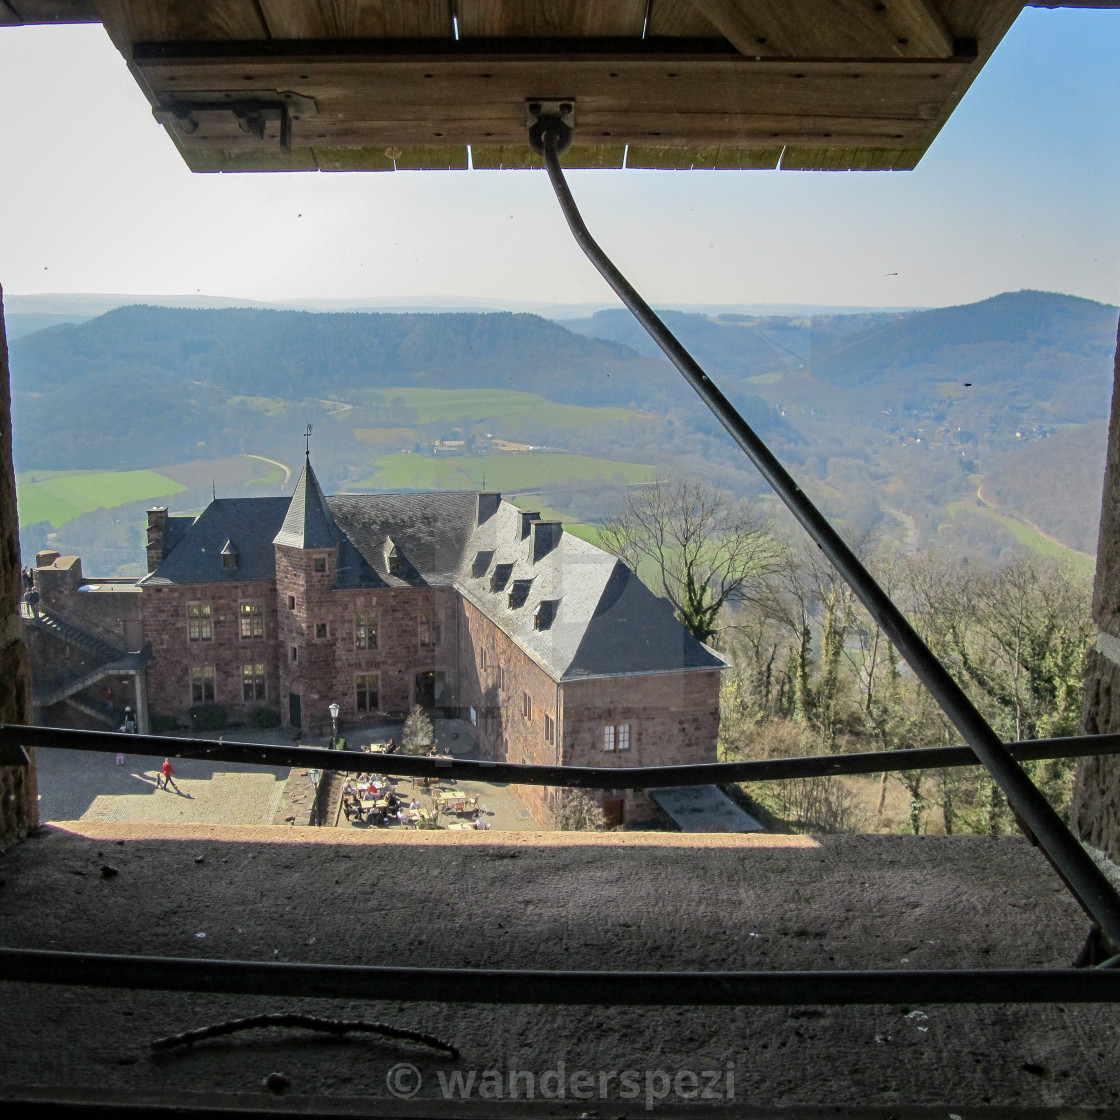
1019, 191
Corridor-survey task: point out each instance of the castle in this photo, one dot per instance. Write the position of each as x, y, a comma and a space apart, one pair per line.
459, 602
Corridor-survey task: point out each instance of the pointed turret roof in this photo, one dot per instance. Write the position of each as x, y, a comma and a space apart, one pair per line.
308, 523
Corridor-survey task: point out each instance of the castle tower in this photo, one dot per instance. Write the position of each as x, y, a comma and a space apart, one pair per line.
306, 572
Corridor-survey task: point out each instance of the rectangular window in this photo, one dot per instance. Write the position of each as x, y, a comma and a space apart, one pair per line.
474, 717
291, 602
198, 622
526, 705
549, 729
502, 677
252, 620
366, 689
202, 684
431, 628
320, 563
365, 630
482, 660
293, 654
320, 629
252, 682
616, 737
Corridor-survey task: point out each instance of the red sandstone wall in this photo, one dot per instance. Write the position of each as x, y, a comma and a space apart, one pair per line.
19, 806
165, 626
326, 668
112, 616
673, 718
504, 732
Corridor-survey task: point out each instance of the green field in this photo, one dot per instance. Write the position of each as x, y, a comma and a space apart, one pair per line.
1028, 536
61, 496
508, 471
482, 405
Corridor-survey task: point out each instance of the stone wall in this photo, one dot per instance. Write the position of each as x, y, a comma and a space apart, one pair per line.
673, 719
166, 626
114, 616
496, 676
19, 806
1096, 799
415, 629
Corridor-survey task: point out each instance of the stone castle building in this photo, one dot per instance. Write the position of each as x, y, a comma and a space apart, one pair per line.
459, 602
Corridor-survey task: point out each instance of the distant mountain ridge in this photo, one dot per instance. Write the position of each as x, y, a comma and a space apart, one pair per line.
889, 409
138, 379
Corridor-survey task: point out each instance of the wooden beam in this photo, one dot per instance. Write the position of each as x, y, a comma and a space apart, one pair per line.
358, 19
132, 21
678, 17
552, 19
726, 158
831, 28
703, 104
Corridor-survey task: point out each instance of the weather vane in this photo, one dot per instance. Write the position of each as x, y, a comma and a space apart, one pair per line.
307, 442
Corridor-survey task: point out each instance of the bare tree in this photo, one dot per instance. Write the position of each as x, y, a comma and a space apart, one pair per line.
704, 547
418, 731
575, 810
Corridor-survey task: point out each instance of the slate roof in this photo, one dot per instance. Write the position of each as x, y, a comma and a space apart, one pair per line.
308, 523
605, 622
249, 524
430, 531
599, 619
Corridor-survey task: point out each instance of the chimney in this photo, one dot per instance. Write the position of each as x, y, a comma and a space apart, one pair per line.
545, 537
488, 503
527, 519
157, 532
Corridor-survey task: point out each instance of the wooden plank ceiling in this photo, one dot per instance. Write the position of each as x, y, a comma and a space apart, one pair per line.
407, 84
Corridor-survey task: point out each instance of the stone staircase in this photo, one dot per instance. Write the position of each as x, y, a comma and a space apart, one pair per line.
74, 635
111, 660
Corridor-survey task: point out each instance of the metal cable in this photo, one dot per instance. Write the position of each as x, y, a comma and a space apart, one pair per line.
1069, 859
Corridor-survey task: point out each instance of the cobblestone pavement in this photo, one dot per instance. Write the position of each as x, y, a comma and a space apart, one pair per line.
87, 785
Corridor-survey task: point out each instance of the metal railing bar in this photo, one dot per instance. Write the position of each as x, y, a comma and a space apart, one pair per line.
588, 777
525, 986
1083, 878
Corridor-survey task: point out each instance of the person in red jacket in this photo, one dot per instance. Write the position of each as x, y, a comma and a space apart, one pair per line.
168, 776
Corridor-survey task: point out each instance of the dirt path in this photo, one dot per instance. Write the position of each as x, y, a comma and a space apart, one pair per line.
1026, 521
276, 463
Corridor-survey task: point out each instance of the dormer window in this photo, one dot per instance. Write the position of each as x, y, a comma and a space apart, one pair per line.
500, 578
231, 558
519, 592
481, 564
395, 563
545, 613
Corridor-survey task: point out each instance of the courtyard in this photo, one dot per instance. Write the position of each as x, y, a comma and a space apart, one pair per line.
92, 787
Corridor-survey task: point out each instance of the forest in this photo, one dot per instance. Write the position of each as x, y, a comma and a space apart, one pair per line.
812, 673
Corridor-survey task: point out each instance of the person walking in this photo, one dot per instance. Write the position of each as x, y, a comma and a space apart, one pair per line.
168, 773
33, 601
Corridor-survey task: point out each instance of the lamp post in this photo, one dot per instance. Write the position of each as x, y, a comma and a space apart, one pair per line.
333, 709
316, 815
